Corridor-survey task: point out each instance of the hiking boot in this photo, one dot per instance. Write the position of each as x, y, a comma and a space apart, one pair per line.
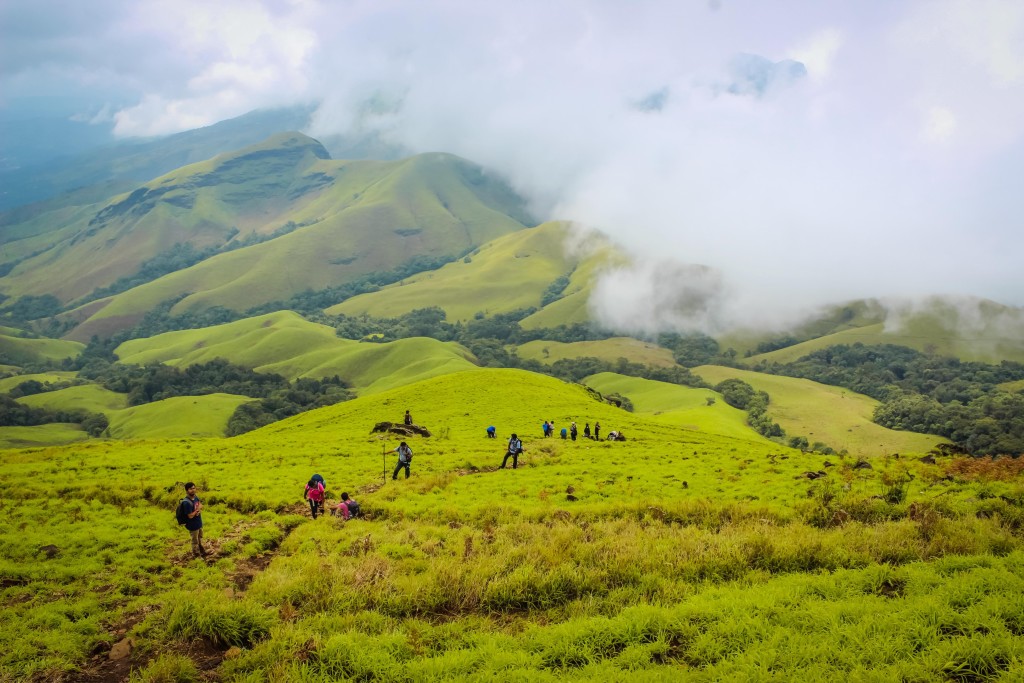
202, 551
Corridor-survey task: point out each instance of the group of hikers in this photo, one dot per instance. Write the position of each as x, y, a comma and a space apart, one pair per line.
189, 512
572, 432
316, 495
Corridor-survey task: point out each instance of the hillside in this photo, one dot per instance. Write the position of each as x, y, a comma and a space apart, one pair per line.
269, 221
833, 416
610, 350
286, 344
972, 330
700, 410
512, 272
673, 555
16, 348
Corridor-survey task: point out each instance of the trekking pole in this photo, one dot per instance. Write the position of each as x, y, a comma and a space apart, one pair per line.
384, 459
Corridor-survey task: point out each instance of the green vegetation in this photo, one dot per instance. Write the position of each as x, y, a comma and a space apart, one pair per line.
923, 393
829, 416
673, 555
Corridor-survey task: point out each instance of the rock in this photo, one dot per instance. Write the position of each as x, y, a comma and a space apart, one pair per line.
928, 459
570, 497
121, 650
50, 551
862, 465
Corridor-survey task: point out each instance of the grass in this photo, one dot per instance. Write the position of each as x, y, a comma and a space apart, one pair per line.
611, 350
27, 350
508, 273
696, 409
190, 416
440, 206
837, 417
674, 555
286, 344
56, 377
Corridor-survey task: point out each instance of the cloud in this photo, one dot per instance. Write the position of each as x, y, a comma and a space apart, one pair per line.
804, 153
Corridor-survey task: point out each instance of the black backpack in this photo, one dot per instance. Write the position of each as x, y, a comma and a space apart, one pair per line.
353, 508
179, 514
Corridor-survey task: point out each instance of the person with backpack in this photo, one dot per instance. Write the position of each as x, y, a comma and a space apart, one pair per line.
404, 460
348, 508
573, 431
586, 430
407, 419
564, 433
189, 514
597, 431
315, 494
492, 432
515, 447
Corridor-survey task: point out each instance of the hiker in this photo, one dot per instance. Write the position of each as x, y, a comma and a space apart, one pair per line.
191, 508
408, 419
404, 460
573, 431
492, 433
586, 430
547, 429
597, 431
315, 494
613, 435
515, 447
348, 508
564, 433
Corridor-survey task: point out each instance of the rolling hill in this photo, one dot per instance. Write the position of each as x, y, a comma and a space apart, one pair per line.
275, 219
509, 273
286, 344
837, 417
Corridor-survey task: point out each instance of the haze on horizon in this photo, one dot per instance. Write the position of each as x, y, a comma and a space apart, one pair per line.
807, 152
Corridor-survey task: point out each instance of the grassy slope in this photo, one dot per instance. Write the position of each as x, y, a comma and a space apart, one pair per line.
666, 567
511, 272
834, 416
26, 350
606, 349
1013, 386
89, 397
180, 416
989, 333
682, 406
8, 383
353, 218
285, 343
53, 434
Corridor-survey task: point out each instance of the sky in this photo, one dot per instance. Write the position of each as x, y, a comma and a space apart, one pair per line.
756, 158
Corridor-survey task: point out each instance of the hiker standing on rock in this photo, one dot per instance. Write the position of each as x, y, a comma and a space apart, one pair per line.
192, 509
408, 419
515, 447
404, 460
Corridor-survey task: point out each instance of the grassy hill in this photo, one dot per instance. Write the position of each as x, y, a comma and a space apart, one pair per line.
180, 416
674, 555
832, 415
8, 383
683, 406
24, 350
53, 434
280, 218
88, 397
606, 349
286, 344
509, 273
972, 330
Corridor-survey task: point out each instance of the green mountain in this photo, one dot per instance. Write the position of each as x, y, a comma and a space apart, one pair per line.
275, 219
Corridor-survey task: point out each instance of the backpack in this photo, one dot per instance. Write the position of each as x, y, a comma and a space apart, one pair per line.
179, 514
353, 508
317, 477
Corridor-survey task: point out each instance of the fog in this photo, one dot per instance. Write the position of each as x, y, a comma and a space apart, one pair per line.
756, 160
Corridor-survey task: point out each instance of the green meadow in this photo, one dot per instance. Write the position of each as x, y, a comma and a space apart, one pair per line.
677, 554
286, 344
837, 417
610, 350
